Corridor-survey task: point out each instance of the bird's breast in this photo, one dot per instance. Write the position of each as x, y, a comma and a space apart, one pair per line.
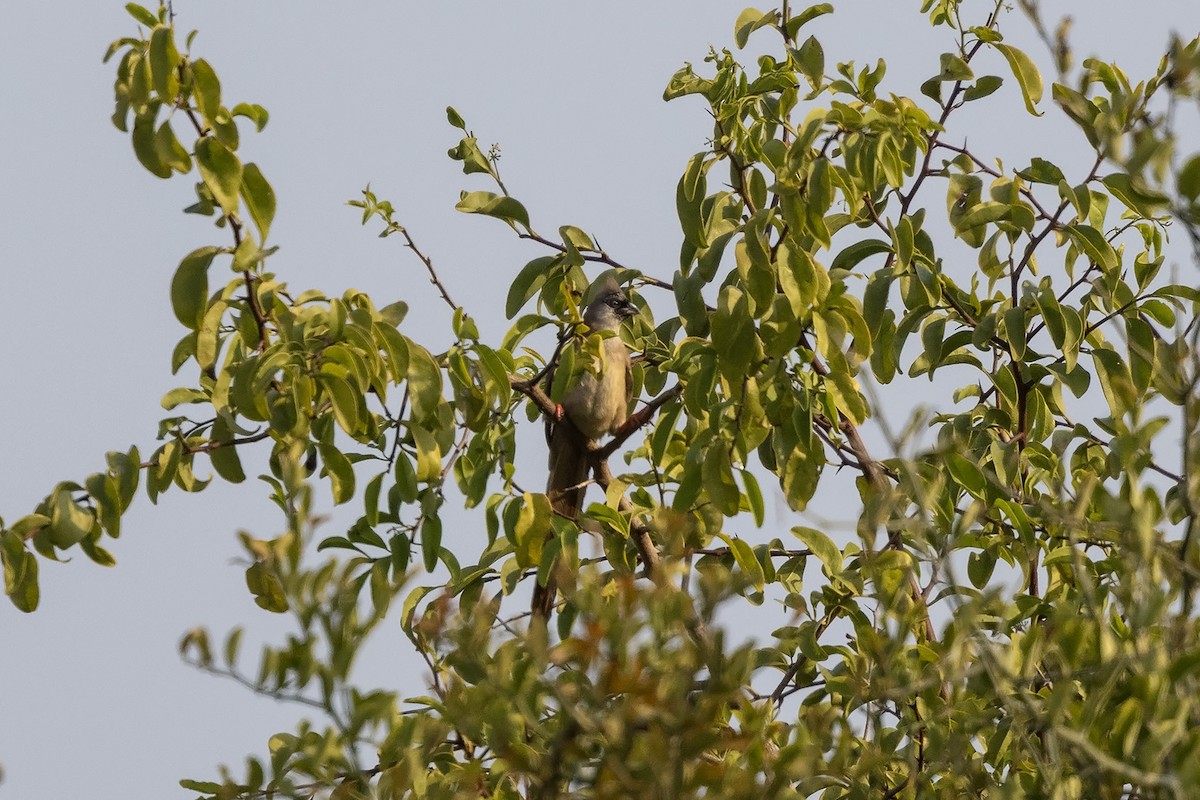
598, 404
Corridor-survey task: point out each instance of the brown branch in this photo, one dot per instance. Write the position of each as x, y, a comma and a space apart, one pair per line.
1025, 191
428, 262
530, 389
947, 108
1051, 224
210, 446
877, 476
738, 165
792, 671
599, 257
1153, 466
598, 455
639, 533
721, 552
256, 309
637, 419
275, 694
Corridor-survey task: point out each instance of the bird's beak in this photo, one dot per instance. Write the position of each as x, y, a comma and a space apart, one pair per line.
627, 310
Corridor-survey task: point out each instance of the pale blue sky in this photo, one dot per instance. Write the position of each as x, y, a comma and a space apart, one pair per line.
96, 702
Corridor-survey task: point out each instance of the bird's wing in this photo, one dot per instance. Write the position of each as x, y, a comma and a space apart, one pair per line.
547, 383
628, 377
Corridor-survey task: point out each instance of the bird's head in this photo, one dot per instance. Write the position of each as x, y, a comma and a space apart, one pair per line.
609, 306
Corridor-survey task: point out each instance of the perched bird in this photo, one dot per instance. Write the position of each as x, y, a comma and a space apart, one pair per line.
595, 407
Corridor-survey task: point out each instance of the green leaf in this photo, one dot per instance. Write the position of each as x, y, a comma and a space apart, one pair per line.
967, 474
684, 82
141, 14
1080, 109
1092, 244
983, 87
1143, 345
207, 338
395, 346
733, 335
340, 472
1135, 194
1188, 180
424, 382
1052, 313
146, 145
429, 454
529, 529
345, 400
1042, 171
750, 20
454, 119
431, 541
743, 554
1015, 331
69, 522
497, 374
20, 572
1115, 380
232, 643
493, 205
718, 479
371, 499
474, 161
810, 58
164, 59
125, 468
806, 16
406, 478
1026, 73
225, 460
221, 171
253, 112
183, 394
857, 252
526, 284
189, 287
689, 197
266, 588
954, 68
171, 153
260, 199
754, 497
980, 565
981, 214
207, 90
822, 547
1076, 379
103, 489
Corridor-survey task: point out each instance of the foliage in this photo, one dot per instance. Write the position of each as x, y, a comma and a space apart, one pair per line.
815, 263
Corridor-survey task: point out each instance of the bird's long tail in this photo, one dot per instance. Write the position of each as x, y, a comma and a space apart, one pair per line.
568, 472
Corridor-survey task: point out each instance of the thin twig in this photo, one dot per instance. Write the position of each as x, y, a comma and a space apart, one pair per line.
428, 262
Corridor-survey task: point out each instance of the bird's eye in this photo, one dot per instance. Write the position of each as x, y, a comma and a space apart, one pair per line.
613, 302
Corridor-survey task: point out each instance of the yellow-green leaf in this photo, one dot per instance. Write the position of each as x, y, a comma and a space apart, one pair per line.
748, 22
340, 472
189, 287
207, 89
164, 58
260, 199
1026, 73
221, 171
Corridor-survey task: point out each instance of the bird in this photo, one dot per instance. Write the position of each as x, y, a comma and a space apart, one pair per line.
595, 407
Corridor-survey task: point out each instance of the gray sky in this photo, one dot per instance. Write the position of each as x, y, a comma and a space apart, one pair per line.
96, 701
